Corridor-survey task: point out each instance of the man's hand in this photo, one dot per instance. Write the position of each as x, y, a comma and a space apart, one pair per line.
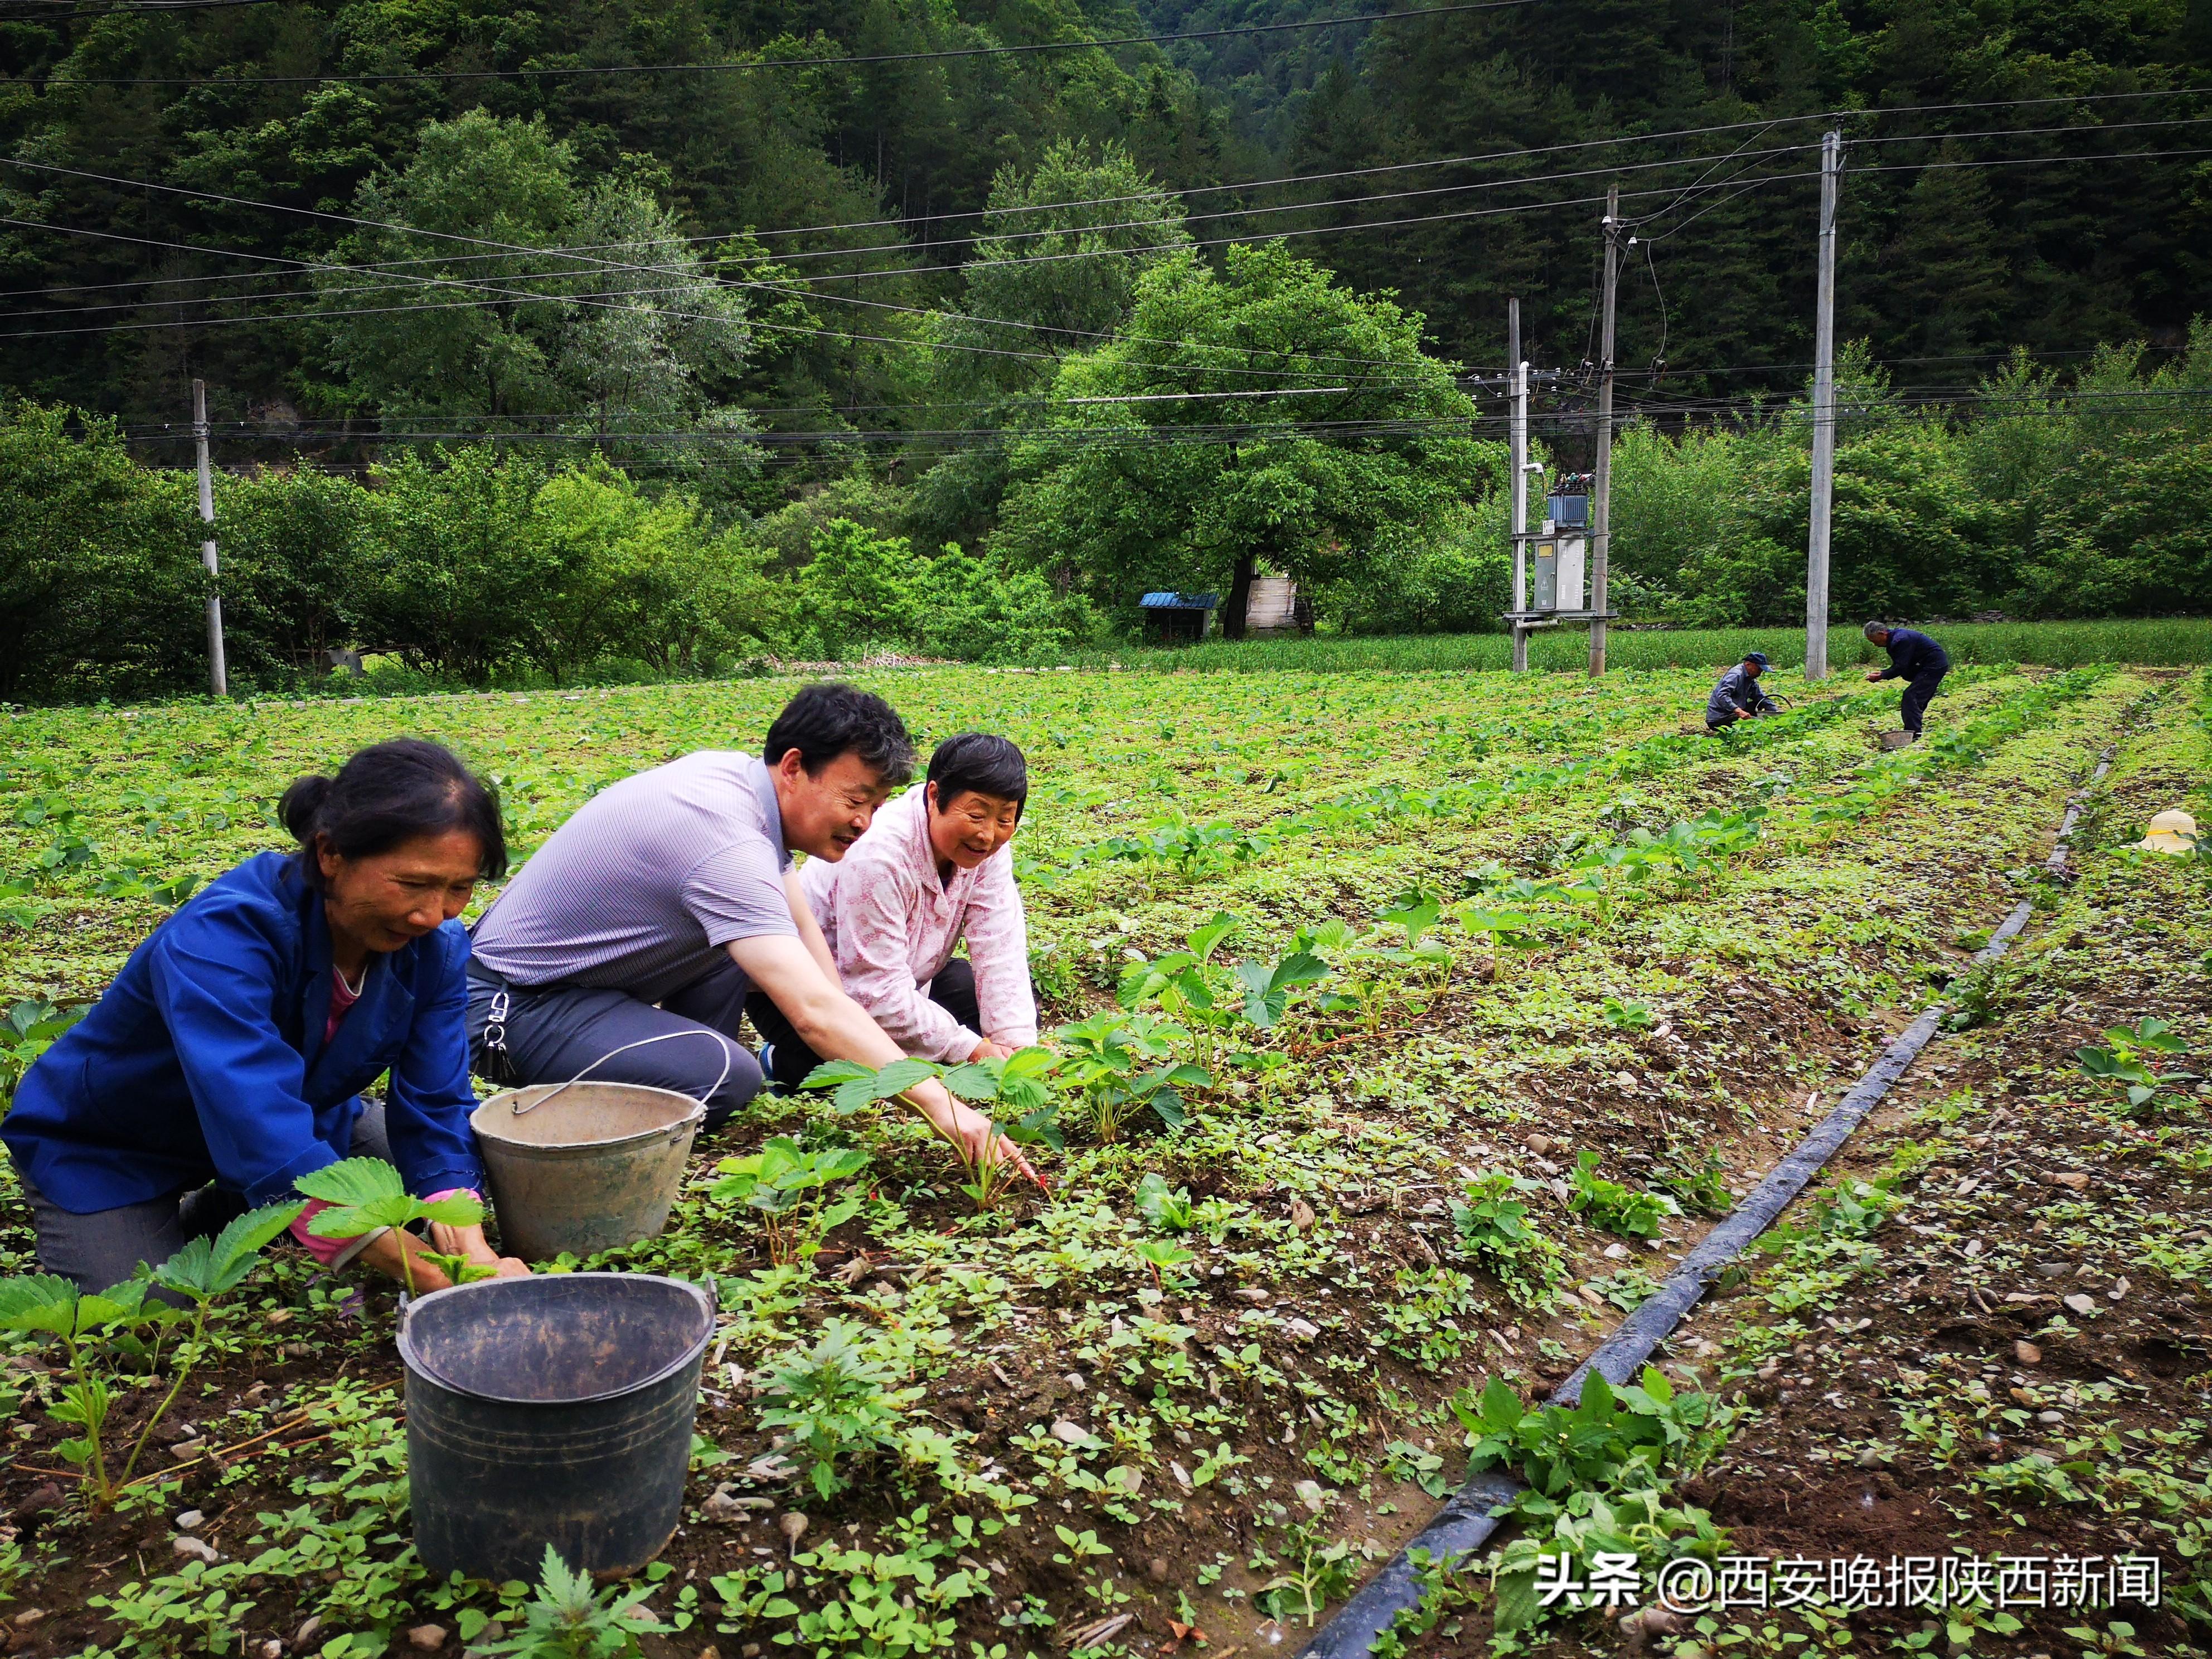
983, 1147
969, 1128
986, 1050
1875, 675
838, 1028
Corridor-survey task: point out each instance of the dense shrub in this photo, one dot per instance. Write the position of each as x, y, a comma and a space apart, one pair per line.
101, 591
865, 591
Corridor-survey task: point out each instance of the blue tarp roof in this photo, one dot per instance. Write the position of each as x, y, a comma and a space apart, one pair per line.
1181, 601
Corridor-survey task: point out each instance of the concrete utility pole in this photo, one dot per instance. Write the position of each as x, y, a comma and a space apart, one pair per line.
1602, 482
218, 680
1824, 417
1519, 372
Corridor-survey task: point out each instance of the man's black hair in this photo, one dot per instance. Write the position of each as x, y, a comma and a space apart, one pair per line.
829, 719
388, 794
979, 761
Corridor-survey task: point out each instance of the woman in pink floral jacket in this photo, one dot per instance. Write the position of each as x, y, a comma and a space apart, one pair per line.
935, 868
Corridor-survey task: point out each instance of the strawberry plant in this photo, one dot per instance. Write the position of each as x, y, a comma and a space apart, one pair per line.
1614, 1206
789, 1186
2135, 1062
367, 1196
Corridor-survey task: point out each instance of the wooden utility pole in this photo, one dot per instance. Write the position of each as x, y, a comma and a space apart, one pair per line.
1518, 372
1824, 417
1600, 538
218, 680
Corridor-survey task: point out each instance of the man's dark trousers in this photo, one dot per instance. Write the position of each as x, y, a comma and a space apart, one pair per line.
1917, 690
690, 1043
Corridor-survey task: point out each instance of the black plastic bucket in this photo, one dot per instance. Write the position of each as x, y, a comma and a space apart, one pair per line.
556, 1409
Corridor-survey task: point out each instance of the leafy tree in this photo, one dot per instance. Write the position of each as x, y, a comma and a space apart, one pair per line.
1062, 249
456, 578
503, 290
1055, 271
644, 577
1198, 491
295, 543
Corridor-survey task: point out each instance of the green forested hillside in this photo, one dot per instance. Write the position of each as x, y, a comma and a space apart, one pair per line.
267, 100
972, 273
1936, 263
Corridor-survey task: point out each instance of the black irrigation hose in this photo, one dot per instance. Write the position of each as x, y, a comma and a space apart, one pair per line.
1466, 1523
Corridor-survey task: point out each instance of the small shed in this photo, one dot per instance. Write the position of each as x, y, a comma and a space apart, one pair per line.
1178, 619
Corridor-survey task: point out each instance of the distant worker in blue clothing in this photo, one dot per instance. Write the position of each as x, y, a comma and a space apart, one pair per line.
1737, 697
1916, 659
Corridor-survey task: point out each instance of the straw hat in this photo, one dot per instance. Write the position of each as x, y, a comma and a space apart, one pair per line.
2171, 831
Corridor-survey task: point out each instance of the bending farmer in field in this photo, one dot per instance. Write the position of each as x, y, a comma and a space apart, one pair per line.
1916, 659
937, 868
1737, 696
628, 943
227, 1058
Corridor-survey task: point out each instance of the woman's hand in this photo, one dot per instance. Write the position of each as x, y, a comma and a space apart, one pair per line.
383, 1253
988, 1048
470, 1241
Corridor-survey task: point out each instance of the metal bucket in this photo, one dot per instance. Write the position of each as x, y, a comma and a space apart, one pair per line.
556, 1409
583, 1167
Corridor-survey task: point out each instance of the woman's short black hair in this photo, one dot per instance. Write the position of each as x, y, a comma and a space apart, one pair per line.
829, 718
388, 794
977, 761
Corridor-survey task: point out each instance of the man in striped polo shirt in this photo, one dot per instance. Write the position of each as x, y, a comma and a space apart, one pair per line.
628, 943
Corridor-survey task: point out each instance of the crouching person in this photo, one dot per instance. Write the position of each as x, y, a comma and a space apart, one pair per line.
629, 944
1736, 695
937, 869
227, 1059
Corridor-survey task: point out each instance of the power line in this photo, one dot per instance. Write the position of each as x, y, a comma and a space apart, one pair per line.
510, 296
751, 64
517, 251
1198, 190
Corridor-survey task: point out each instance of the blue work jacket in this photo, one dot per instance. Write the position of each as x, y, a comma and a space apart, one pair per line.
1912, 654
205, 1059
1737, 693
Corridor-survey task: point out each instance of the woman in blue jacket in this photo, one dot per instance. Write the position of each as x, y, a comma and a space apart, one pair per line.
227, 1058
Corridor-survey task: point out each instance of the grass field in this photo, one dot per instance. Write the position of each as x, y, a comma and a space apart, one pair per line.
1559, 980
2171, 643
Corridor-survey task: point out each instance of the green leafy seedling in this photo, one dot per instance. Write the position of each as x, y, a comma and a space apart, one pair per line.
570, 1618
46, 1304
790, 1187
1168, 1209
1614, 1206
367, 1193
1627, 1016
1160, 1254
2134, 1061
1267, 987
204, 1270
838, 1400
1506, 930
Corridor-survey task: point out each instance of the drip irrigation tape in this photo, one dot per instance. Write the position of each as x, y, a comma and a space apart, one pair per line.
1466, 1523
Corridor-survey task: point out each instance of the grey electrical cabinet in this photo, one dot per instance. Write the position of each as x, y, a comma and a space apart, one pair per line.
1559, 572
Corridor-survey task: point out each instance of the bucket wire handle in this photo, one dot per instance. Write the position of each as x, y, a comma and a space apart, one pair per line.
519, 1109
